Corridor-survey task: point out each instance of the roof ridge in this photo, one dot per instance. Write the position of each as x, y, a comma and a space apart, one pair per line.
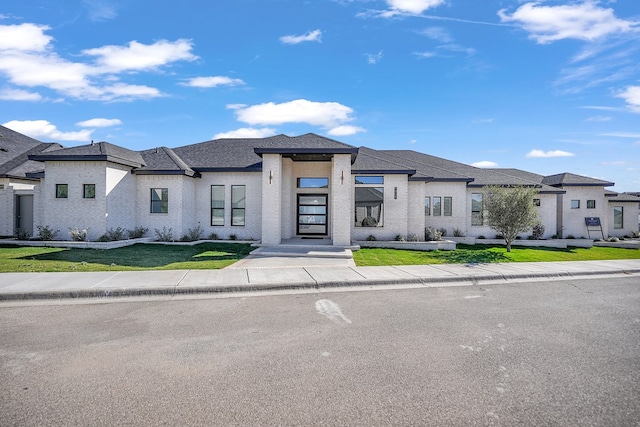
433, 166
177, 159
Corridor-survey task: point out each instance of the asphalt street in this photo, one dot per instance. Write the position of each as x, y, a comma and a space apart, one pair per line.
563, 352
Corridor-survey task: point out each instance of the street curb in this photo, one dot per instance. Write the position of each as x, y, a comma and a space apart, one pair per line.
171, 291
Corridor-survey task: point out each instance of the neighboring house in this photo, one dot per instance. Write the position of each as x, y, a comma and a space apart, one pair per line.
16, 189
311, 187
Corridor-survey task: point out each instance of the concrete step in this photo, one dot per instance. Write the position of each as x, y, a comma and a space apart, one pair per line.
303, 251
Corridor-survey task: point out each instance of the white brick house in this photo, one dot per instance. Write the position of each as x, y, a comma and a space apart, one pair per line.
278, 188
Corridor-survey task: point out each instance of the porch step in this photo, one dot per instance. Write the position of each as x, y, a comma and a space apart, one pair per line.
303, 251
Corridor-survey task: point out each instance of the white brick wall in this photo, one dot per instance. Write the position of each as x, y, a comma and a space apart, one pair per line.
7, 213
460, 206
573, 219
253, 209
120, 186
341, 207
630, 220
74, 211
271, 199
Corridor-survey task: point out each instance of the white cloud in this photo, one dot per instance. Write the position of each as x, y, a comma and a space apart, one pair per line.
138, 56
599, 119
28, 60
24, 37
548, 154
212, 81
100, 10
631, 94
327, 114
311, 36
43, 130
373, 59
246, 133
622, 134
485, 164
437, 33
412, 7
19, 95
582, 21
426, 54
99, 123
345, 130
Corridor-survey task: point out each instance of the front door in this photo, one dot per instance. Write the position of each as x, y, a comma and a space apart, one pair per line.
312, 214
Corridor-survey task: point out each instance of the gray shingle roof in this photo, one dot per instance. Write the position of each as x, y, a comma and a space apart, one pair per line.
570, 179
15, 150
372, 161
163, 160
100, 151
613, 197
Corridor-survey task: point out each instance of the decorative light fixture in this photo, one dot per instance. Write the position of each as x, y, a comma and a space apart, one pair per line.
270, 177
342, 178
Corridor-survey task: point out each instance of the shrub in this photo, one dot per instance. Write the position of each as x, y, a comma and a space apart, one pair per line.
458, 233
47, 233
78, 235
369, 221
412, 237
400, 238
113, 235
22, 234
213, 236
443, 232
481, 237
233, 237
371, 238
635, 234
571, 236
164, 235
499, 236
193, 234
138, 232
613, 239
538, 231
432, 235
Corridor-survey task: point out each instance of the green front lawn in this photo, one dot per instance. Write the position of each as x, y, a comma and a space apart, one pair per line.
484, 254
135, 257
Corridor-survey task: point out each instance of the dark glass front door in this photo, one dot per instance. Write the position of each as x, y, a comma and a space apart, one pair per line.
312, 214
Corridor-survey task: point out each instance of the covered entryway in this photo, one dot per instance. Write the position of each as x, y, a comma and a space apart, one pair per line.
312, 215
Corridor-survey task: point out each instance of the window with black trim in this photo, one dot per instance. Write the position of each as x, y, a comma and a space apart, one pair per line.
448, 206
369, 201
217, 205
62, 191
575, 204
476, 209
618, 217
536, 202
88, 191
437, 206
591, 204
313, 182
159, 200
238, 204
427, 206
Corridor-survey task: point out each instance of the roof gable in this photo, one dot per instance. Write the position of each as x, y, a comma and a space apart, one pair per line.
102, 151
572, 180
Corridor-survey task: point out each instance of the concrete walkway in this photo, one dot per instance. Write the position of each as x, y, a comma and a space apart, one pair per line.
281, 273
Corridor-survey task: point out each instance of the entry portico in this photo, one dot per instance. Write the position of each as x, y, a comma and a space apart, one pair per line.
305, 191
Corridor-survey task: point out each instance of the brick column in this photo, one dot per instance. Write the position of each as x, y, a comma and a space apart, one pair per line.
341, 204
271, 202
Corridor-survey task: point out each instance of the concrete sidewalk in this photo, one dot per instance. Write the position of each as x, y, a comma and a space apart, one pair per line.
23, 286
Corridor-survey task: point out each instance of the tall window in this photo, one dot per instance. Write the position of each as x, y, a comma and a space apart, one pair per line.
62, 191
618, 217
159, 200
427, 206
369, 201
237, 204
217, 205
476, 209
437, 206
448, 206
89, 191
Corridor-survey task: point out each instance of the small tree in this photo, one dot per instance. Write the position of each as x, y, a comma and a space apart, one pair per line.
510, 210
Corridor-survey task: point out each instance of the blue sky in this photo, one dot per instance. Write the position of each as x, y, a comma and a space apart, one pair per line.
546, 86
